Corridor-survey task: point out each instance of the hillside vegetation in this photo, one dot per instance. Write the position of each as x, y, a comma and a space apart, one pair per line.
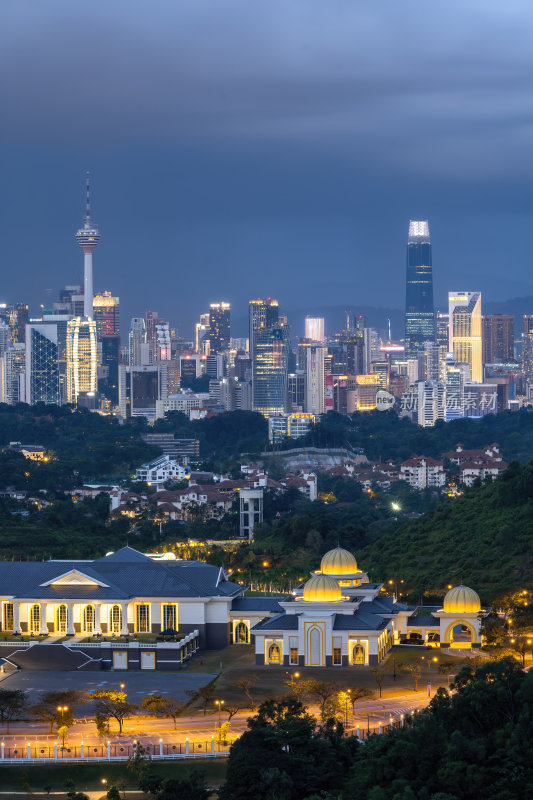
484, 539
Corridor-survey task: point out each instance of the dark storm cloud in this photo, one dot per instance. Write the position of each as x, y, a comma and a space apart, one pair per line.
270, 135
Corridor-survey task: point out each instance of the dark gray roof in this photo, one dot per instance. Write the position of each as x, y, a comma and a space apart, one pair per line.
281, 622
126, 573
383, 605
360, 621
266, 604
424, 622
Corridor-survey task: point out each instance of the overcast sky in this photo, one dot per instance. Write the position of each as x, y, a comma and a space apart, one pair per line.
248, 147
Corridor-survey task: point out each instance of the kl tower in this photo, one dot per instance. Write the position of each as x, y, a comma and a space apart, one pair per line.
88, 238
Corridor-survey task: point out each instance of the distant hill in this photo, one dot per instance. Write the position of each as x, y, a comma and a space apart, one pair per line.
483, 539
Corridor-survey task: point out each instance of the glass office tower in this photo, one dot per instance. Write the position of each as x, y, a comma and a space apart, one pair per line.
419, 314
270, 369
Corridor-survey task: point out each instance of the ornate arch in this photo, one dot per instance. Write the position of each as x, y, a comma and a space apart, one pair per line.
466, 623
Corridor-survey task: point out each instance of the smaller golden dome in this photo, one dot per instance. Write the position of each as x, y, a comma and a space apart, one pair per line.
338, 562
322, 589
461, 600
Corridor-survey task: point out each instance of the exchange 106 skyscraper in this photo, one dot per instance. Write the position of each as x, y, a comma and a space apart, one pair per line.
419, 314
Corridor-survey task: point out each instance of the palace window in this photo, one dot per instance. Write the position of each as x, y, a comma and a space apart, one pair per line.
274, 654
61, 618
293, 656
143, 618
7, 617
35, 619
115, 620
170, 617
88, 619
337, 656
358, 654
241, 633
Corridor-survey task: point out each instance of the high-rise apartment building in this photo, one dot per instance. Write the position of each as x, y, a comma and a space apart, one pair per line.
431, 402
527, 347
296, 391
262, 314
13, 374
82, 358
219, 327
314, 328
42, 364
202, 335
419, 313
15, 316
141, 388
465, 331
136, 340
106, 314
270, 368
498, 338
442, 334
316, 379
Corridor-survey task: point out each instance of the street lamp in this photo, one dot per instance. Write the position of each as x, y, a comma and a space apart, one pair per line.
62, 710
348, 693
219, 703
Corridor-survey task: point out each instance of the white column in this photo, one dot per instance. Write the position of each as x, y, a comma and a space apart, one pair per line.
82, 749
213, 745
124, 629
43, 626
55, 751
2, 755
97, 621
187, 747
160, 748
88, 285
16, 617
70, 619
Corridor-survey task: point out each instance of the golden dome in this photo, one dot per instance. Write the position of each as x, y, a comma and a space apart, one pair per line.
338, 562
322, 589
461, 600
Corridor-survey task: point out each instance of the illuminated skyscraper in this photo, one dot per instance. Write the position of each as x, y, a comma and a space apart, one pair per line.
82, 360
419, 314
314, 329
106, 314
88, 238
263, 314
270, 369
42, 364
219, 327
465, 331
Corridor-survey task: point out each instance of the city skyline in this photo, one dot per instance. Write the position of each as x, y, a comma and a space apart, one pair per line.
301, 148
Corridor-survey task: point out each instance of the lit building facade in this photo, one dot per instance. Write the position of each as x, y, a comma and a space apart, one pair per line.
367, 389
314, 328
465, 331
316, 379
262, 314
106, 314
82, 358
270, 369
42, 364
219, 327
419, 312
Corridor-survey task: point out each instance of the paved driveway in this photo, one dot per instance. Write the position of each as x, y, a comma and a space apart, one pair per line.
137, 684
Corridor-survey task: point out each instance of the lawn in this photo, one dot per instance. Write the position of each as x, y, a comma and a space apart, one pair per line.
237, 662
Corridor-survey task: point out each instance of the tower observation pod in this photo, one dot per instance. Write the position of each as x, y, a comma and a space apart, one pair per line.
88, 238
